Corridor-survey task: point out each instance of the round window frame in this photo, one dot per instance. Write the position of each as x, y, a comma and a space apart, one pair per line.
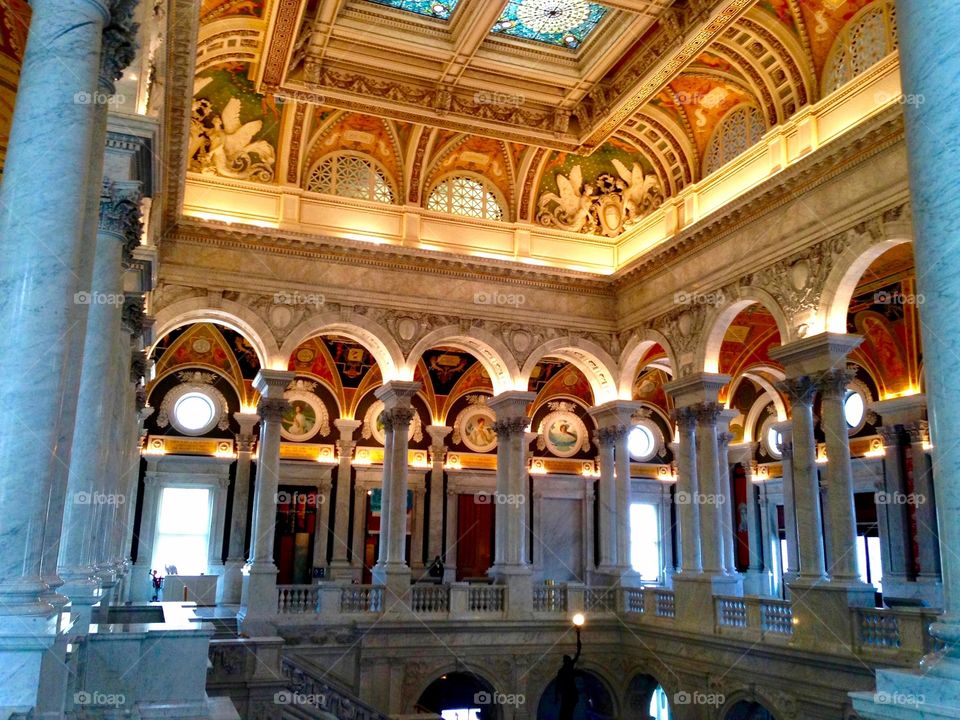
168, 415
774, 451
656, 440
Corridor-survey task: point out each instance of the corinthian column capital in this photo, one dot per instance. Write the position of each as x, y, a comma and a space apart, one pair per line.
119, 42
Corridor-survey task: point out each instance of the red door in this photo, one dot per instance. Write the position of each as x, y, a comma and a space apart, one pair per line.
475, 537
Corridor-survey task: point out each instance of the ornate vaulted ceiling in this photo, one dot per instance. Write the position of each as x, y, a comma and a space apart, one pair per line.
550, 101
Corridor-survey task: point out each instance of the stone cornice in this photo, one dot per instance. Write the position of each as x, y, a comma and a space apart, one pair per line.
356, 252
832, 160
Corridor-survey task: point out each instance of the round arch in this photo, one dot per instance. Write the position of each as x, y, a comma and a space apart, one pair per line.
638, 345
846, 273
743, 705
708, 353
493, 354
447, 670
375, 338
590, 681
230, 314
588, 357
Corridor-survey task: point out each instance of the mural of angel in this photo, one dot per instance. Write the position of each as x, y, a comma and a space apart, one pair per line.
641, 194
573, 205
232, 152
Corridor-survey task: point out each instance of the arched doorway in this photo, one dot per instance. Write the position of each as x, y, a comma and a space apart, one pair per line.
647, 700
746, 710
460, 696
595, 701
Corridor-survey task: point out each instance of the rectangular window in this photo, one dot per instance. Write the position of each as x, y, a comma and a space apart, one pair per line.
183, 531
868, 558
645, 554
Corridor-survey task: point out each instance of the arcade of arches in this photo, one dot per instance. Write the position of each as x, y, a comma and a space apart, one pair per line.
479, 359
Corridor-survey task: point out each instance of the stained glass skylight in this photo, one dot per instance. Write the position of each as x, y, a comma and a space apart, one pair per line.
565, 23
441, 9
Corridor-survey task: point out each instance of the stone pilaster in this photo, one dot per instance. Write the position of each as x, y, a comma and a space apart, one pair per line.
438, 456
511, 566
236, 558
391, 569
259, 593
341, 568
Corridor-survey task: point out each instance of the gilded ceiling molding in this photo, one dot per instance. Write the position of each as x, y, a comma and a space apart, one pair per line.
802, 83
686, 156
530, 184
416, 176
181, 29
296, 138
282, 32
803, 31
762, 92
861, 144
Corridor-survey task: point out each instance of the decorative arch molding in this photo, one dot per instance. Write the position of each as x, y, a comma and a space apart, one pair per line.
720, 319
895, 229
588, 357
372, 336
420, 675
599, 669
754, 374
641, 340
233, 315
782, 710
493, 354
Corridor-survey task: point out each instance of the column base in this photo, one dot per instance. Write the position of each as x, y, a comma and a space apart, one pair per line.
231, 584
32, 654
85, 596
258, 603
821, 612
343, 570
395, 577
905, 695
757, 582
519, 582
693, 595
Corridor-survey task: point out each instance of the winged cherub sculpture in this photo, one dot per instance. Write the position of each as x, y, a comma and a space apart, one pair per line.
572, 206
641, 194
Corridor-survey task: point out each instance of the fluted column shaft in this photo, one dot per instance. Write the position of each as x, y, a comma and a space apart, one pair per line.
92, 464
340, 565
271, 385
789, 499
725, 507
843, 520
711, 493
241, 485
622, 514
894, 520
688, 511
607, 497
438, 454
806, 482
926, 503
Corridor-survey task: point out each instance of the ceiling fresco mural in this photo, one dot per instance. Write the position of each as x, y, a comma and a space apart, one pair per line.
770, 54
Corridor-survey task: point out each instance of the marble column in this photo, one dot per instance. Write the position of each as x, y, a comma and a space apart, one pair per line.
438, 456
391, 569
842, 563
416, 532
726, 508
43, 201
321, 536
929, 80
450, 561
688, 513
892, 513
232, 573
259, 590
614, 421
340, 566
756, 581
87, 488
607, 499
711, 493
789, 500
511, 566
806, 482
928, 539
